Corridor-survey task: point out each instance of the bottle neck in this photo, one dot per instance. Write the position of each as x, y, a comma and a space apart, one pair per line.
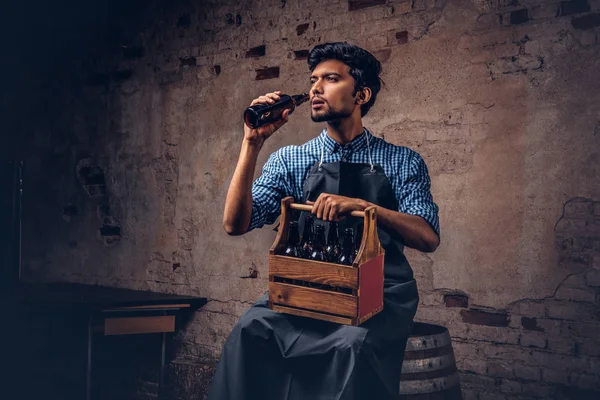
293, 237
347, 243
332, 236
308, 228
300, 98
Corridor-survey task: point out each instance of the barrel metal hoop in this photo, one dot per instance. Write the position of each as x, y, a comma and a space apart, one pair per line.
429, 385
428, 364
428, 353
428, 342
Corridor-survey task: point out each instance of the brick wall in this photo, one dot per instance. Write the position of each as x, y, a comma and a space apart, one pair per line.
133, 157
534, 347
546, 347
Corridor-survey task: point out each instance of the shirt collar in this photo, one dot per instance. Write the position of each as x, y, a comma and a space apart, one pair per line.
356, 145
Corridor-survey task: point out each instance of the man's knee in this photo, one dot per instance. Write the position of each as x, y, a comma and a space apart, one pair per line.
256, 322
350, 338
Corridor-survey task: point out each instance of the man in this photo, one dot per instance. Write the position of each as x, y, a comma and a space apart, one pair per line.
271, 355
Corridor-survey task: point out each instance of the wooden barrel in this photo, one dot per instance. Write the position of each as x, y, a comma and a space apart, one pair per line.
429, 369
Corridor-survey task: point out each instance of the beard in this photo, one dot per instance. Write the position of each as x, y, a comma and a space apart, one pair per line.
330, 115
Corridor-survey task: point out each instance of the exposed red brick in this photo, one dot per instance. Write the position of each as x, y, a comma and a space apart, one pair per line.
267, 73
586, 22
301, 54
477, 317
530, 324
189, 61
402, 37
257, 51
456, 300
359, 4
519, 17
383, 55
300, 29
572, 7
108, 230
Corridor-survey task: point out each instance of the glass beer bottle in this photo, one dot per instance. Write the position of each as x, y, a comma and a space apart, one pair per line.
317, 253
307, 236
292, 249
262, 114
347, 255
332, 251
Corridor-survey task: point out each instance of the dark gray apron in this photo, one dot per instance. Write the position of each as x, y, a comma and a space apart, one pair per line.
274, 356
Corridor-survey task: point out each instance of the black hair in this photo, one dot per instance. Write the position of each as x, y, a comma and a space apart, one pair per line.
363, 66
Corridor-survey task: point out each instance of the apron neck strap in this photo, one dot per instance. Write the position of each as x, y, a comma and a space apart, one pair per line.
322, 152
366, 132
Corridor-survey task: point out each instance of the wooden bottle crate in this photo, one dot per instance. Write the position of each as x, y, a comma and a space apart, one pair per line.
344, 294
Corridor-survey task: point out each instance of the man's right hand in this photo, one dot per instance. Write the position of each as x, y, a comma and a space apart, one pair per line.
259, 135
238, 204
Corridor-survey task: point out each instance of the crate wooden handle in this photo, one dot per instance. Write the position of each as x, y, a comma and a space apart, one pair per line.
369, 248
306, 207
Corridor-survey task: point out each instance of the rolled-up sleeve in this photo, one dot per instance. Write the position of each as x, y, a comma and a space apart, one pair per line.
267, 192
415, 193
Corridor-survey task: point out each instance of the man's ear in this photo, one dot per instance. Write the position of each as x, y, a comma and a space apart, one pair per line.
363, 96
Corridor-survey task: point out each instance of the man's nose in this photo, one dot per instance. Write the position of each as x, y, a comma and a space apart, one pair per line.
316, 88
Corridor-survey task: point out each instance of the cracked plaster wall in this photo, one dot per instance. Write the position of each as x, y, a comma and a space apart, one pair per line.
501, 103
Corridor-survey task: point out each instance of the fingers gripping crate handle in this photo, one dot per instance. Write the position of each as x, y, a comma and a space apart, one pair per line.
306, 207
369, 248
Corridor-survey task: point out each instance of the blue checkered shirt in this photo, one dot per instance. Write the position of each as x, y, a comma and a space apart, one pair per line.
286, 169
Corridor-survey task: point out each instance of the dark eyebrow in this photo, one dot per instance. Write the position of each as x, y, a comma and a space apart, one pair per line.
327, 74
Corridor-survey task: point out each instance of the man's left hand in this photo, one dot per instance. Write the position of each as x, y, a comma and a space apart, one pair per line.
331, 207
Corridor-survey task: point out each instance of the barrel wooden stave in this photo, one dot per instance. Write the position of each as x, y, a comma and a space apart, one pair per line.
429, 368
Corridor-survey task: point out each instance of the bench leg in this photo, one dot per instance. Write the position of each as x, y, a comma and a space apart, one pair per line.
88, 372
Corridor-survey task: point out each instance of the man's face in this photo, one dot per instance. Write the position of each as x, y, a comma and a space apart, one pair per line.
331, 92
